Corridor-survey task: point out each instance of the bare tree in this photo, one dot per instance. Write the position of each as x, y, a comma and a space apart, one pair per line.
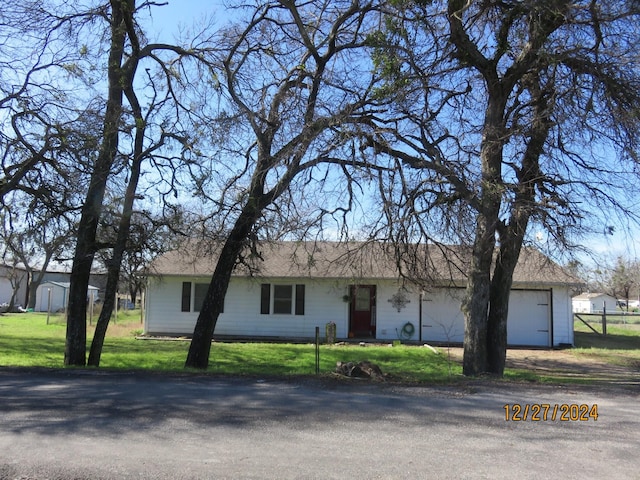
34, 238
46, 135
297, 79
149, 129
503, 112
40, 63
619, 280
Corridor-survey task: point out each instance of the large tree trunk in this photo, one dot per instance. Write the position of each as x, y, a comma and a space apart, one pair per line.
33, 288
200, 348
475, 305
76, 337
124, 226
105, 315
499, 306
512, 234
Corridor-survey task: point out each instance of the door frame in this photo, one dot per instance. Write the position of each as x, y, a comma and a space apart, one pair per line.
353, 332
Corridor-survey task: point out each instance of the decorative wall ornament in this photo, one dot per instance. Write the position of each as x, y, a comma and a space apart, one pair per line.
399, 300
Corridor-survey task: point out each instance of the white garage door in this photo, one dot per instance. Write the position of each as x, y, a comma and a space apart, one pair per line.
529, 318
528, 324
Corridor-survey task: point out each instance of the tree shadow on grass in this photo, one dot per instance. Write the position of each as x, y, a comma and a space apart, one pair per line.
44, 352
609, 341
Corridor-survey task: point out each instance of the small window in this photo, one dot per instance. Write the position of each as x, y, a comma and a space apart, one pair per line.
282, 298
363, 300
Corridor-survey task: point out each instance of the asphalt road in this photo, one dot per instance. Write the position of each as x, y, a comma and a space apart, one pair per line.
95, 425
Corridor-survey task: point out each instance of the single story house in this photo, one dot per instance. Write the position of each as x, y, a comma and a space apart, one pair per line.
287, 289
54, 296
593, 303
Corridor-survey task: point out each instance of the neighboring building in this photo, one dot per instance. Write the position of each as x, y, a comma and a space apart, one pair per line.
593, 303
54, 296
296, 287
61, 273
14, 280
57, 274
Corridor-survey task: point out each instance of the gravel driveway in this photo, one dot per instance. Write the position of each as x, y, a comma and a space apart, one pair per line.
96, 425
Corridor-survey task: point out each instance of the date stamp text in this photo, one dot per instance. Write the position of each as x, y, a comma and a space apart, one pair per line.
544, 412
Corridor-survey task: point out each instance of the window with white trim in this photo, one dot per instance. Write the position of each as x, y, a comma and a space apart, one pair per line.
279, 299
193, 295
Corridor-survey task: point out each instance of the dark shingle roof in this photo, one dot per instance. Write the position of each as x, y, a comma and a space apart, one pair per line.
435, 264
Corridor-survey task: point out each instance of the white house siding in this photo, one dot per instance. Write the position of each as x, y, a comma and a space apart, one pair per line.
562, 316
442, 320
59, 296
390, 321
242, 317
582, 306
323, 304
162, 308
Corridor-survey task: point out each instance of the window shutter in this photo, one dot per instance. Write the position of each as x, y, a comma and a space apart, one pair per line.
186, 296
265, 298
299, 299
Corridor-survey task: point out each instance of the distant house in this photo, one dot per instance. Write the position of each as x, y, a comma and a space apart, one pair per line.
61, 273
54, 296
288, 289
593, 303
14, 280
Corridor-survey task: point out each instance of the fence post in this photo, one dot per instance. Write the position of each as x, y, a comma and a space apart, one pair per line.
141, 307
604, 318
91, 307
317, 350
48, 304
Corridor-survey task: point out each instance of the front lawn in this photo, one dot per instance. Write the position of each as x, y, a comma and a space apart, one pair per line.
27, 340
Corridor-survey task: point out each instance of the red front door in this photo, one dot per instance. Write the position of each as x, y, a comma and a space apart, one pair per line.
362, 311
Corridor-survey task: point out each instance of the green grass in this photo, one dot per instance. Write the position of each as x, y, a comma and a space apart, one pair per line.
619, 336
26, 340
620, 347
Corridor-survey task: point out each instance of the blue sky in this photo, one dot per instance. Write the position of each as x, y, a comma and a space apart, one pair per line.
166, 22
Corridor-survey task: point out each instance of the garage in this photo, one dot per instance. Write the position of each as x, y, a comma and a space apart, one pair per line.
529, 320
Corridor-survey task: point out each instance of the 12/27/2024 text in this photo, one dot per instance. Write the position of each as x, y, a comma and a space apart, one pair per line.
543, 412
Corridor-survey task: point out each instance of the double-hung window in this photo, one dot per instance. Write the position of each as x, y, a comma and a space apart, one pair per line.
282, 299
193, 295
